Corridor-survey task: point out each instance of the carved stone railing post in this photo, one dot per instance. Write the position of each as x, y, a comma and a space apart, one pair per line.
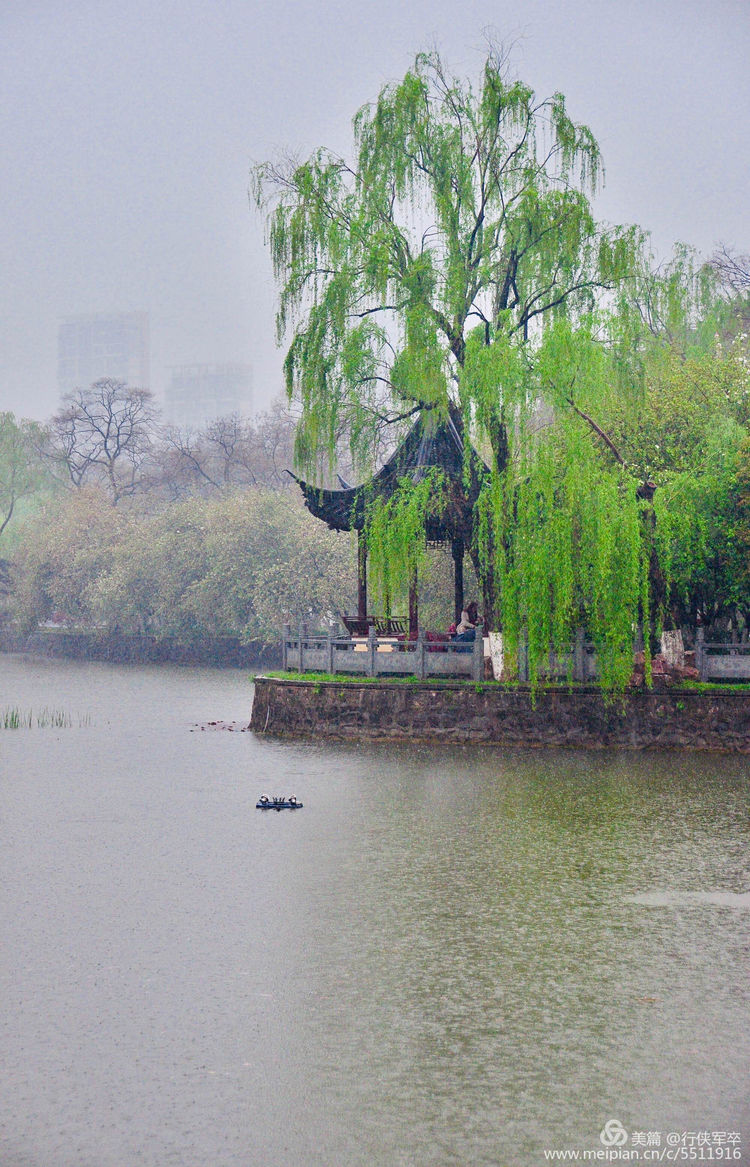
700, 652
302, 637
579, 656
372, 648
477, 658
421, 662
285, 647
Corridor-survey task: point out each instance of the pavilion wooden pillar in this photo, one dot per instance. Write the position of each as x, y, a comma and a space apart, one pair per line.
413, 607
361, 576
457, 551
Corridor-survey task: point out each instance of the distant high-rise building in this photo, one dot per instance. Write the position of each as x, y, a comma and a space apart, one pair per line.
198, 394
115, 344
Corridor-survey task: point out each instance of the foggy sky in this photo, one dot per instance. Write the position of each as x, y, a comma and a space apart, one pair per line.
128, 130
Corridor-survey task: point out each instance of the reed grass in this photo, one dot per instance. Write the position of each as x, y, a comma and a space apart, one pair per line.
13, 717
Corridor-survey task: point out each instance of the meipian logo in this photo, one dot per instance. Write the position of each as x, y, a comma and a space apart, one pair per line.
613, 1134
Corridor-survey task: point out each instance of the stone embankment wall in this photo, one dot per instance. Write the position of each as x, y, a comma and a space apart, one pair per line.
464, 713
217, 651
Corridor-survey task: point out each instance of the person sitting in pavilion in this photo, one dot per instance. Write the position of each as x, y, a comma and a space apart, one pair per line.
466, 630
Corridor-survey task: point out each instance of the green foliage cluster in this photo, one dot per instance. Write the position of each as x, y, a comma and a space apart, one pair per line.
568, 554
688, 433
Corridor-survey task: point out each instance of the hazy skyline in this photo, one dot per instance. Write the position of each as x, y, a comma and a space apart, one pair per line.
128, 132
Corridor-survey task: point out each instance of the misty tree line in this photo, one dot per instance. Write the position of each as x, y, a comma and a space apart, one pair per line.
110, 520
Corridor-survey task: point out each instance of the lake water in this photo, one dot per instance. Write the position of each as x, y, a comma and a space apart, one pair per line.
448, 956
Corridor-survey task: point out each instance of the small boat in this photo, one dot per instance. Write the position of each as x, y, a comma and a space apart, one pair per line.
280, 803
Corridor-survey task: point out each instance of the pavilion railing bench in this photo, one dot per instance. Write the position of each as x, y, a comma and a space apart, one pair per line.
382, 656
383, 625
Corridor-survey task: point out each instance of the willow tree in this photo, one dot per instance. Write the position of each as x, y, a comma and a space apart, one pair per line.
21, 470
455, 265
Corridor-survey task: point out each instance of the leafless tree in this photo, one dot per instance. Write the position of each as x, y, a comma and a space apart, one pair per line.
229, 453
229, 442
273, 445
732, 268
182, 465
105, 434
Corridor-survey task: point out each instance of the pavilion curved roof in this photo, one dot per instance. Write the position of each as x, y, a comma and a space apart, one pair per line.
435, 440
